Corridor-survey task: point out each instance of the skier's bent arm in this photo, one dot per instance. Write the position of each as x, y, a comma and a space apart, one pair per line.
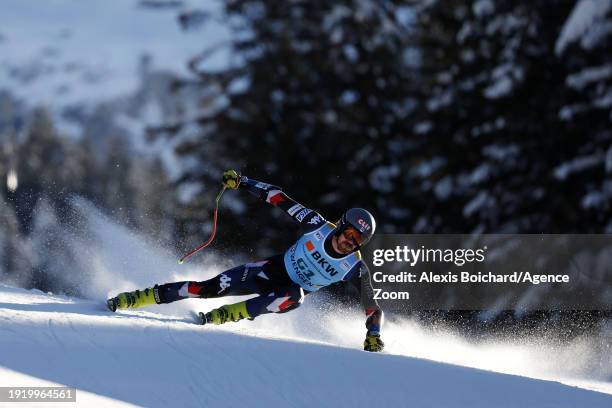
373, 311
275, 196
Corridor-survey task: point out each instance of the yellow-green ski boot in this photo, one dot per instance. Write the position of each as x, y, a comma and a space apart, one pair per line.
132, 300
234, 313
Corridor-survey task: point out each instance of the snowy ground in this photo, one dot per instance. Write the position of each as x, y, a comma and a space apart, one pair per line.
150, 359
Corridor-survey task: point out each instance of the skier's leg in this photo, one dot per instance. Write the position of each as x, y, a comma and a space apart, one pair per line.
242, 280
281, 300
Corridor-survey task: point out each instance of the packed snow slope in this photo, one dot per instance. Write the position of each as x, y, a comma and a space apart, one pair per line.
149, 359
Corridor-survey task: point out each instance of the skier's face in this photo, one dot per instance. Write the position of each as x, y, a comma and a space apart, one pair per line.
348, 241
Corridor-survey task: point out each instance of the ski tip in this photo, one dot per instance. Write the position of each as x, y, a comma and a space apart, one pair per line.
180, 261
201, 318
198, 317
111, 304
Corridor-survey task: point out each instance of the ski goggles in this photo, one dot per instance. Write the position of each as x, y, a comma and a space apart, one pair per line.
353, 235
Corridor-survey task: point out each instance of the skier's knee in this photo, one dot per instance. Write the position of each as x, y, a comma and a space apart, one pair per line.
280, 301
288, 308
292, 300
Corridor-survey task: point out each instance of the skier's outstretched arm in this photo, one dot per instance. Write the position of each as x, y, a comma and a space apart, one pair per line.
274, 195
374, 313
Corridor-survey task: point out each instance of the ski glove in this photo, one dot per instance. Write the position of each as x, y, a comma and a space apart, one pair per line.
231, 179
373, 343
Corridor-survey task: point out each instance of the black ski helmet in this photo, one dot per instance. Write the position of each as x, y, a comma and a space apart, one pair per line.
362, 220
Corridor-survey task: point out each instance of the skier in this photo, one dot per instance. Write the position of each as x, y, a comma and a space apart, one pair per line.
324, 254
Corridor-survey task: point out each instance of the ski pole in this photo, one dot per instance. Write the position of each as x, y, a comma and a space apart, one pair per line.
212, 234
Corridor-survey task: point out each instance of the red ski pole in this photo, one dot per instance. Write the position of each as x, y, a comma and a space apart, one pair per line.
212, 234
